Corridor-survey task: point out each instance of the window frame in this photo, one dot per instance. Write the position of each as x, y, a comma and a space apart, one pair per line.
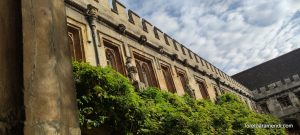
284, 101
73, 49
169, 80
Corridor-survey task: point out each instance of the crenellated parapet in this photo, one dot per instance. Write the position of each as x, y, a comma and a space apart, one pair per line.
115, 15
276, 88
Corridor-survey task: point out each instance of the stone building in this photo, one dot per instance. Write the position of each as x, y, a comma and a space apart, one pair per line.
106, 35
38, 39
276, 86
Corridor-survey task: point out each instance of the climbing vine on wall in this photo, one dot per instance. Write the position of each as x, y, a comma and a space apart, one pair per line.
106, 98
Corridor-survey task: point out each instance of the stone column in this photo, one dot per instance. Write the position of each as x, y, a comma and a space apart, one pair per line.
50, 103
11, 95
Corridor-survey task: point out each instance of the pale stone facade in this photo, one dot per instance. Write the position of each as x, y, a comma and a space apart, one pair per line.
36, 74
135, 38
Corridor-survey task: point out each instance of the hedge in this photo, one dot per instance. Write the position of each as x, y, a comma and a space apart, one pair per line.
105, 97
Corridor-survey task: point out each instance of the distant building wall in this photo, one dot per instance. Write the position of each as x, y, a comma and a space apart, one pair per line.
276, 87
281, 99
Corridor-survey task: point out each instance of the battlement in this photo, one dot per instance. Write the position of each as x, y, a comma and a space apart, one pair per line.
277, 87
116, 12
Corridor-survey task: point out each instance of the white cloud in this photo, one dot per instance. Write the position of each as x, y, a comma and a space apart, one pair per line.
232, 34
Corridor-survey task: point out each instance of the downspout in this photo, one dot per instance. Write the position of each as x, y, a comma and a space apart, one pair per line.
92, 18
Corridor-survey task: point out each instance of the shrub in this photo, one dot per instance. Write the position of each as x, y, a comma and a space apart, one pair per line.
105, 97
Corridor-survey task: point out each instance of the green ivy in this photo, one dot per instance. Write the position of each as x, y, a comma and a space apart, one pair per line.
105, 97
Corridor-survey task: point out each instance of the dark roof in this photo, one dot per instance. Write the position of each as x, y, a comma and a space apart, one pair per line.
271, 71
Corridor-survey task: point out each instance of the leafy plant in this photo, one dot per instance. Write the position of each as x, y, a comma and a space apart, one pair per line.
106, 98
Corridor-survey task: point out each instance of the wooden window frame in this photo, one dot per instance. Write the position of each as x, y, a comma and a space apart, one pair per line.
169, 81
204, 92
117, 52
140, 59
75, 47
184, 83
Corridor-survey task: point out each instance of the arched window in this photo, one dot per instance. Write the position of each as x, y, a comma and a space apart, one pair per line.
146, 75
168, 78
71, 44
139, 69
75, 43
145, 71
183, 80
111, 59
113, 56
203, 90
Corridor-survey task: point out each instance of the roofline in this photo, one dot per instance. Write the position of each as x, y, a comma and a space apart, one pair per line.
256, 66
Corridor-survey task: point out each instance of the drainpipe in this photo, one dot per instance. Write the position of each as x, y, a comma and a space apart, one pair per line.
91, 18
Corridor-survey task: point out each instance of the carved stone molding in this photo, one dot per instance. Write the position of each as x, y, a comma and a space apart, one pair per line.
196, 67
91, 14
92, 10
161, 50
185, 62
204, 73
121, 28
142, 39
174, 56
131, 69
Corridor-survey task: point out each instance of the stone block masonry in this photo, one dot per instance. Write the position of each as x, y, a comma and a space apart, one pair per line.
50, 104
37, 94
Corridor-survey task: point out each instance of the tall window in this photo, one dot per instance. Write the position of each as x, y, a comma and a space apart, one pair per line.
75, 43
203, 90
145, 71
168, 78
113, 57
284, 101
183, 80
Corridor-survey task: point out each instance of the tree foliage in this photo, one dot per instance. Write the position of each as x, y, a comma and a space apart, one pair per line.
105, 97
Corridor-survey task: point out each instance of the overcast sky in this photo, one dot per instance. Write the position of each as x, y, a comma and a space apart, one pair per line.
234, 35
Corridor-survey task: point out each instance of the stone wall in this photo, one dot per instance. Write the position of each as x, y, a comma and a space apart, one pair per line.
270, 96
126, 29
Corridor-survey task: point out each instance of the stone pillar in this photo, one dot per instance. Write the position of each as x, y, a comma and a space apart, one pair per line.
11, 95
50, 103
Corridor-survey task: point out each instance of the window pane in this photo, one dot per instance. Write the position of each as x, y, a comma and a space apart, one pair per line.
75, 43
168, 79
